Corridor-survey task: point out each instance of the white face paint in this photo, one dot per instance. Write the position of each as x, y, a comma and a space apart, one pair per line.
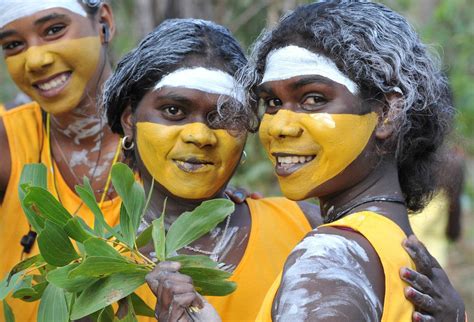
291, 61
332, 258
217, 82
11, 10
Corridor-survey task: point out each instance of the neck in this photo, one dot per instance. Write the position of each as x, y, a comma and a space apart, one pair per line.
381, 182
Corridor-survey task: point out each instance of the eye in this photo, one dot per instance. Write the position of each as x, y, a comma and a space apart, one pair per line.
173, 112
54, 30
271, 105
11, 45
313, 101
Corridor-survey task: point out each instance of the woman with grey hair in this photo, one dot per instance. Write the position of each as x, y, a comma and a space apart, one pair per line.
355, 110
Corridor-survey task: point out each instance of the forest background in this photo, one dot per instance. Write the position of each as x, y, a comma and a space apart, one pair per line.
447, 25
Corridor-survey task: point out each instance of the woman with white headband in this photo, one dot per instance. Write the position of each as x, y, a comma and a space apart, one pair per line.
355, 112
56, 53
175, 100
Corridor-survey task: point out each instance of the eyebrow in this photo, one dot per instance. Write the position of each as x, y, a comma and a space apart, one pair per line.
175, 97
264, 89
310, 80
50, 17
7, 33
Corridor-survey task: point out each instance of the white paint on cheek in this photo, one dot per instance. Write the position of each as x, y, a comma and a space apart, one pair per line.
336, 260
324, 119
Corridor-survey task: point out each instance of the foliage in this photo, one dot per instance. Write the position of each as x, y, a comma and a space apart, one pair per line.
81, 271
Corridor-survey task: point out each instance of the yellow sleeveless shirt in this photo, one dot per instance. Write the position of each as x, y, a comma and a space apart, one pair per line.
386, 238
277, 226
28, 144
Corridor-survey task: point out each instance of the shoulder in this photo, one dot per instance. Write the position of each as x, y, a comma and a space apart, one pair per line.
5, 169
331, 275
312, 213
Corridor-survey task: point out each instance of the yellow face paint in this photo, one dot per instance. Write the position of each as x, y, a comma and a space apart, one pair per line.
334, 140
56, 75
191, 161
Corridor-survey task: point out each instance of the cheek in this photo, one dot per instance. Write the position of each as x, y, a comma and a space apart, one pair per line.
155, 141
230, 148
82, 55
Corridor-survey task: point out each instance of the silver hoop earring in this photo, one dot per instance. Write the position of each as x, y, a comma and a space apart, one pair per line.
127, 143
243, 159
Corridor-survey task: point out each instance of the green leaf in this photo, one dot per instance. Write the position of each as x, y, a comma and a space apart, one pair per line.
25, 264
145, 237
105, 292
99, 247
87, 196
130, 316
158, 234
205, 273
34, 174
106, 314
55, 246
60, 278
44, 203
8, 284
209, 281
7, 312
74, 228
191, 225
126, 226
98, 266
53, 305
193, 261
140, 307
31, 294
131, 192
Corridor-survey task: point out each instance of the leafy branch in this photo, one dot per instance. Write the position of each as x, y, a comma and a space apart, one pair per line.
81, 271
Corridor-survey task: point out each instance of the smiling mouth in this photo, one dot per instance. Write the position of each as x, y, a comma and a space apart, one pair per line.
192, 164
288, 164
53, 85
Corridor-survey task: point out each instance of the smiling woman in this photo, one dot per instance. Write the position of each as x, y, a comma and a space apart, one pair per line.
55, 52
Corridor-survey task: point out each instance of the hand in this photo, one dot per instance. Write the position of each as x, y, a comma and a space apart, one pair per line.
175, 293
434, 297
238, 195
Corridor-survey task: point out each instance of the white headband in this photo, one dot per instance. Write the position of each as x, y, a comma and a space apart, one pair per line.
11, 10
290, 61
206, 80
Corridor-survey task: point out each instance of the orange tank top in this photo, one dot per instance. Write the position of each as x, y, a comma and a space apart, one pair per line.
28, 144
388, 246
277, 226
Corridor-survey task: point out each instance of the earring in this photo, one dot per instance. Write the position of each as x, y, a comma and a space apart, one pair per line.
243, 159
127, 143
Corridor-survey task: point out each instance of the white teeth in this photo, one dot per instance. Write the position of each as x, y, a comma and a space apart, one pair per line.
54, 83
294, 159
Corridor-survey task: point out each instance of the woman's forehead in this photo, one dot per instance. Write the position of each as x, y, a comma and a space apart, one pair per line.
11, 11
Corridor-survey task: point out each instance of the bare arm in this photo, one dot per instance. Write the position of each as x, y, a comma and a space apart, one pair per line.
5, 167
332, 275
312, 213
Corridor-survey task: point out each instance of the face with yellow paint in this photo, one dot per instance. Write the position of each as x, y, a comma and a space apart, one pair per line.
318, 135
177, 147
54, 56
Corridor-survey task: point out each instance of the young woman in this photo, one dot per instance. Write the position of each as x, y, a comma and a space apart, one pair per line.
168, 97
56, 53
355, 109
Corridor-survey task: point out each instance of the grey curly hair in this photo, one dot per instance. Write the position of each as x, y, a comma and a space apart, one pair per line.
378, 49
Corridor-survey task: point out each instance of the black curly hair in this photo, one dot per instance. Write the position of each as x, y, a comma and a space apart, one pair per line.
378, 49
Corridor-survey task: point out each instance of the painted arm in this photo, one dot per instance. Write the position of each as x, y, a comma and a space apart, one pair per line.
330, 276
177, 300
434, 297
5, 166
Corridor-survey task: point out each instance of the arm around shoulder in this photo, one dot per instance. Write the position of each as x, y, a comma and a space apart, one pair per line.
5, 166
332, 275
312, 213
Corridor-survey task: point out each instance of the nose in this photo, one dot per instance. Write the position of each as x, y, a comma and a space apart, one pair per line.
284, 125
199, 134
38, 58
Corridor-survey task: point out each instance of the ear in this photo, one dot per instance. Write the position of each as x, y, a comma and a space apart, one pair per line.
127, 121
388, 115
107, 21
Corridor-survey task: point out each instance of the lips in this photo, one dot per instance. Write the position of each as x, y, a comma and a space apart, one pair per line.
287, 164
53, 85
192, 164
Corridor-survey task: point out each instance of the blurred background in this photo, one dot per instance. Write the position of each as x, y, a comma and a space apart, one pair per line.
447, 25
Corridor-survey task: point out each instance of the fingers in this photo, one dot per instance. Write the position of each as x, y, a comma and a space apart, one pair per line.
418, 317
256, 195
419, 254
237, 195
160, 272
418, 281
421, 301
180, 304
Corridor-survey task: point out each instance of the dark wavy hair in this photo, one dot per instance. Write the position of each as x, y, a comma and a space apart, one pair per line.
176, 43
378, 49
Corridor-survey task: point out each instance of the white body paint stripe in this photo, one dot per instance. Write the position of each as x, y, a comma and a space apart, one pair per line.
206, 80
290, 61
11, 10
